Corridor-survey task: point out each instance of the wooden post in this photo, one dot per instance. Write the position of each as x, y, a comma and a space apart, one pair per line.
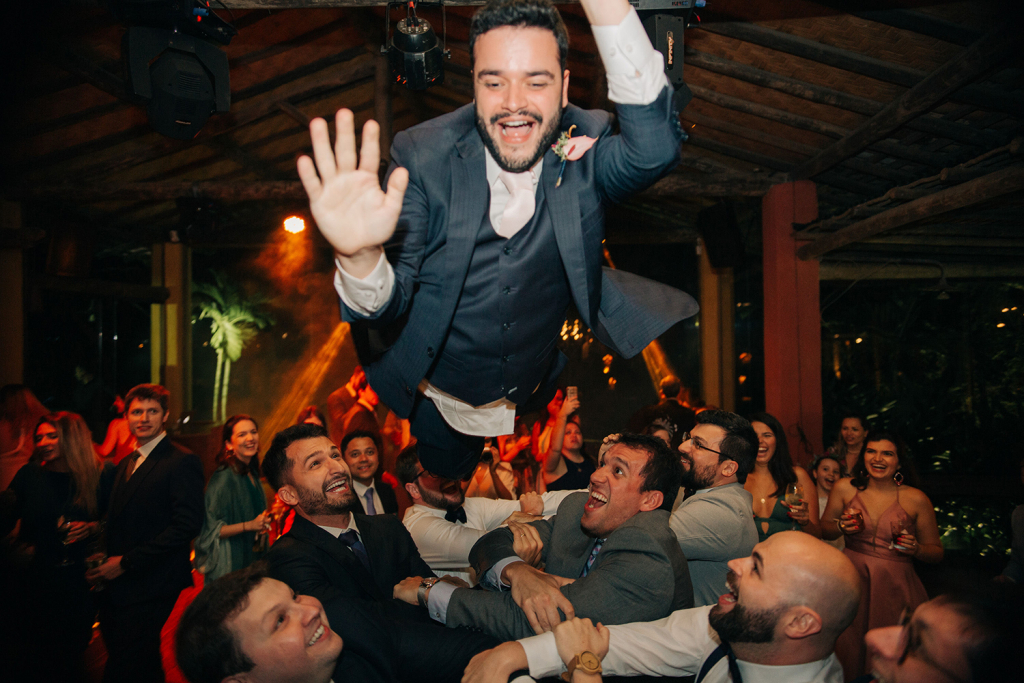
717, 334
12, 302
792, 322
171, 326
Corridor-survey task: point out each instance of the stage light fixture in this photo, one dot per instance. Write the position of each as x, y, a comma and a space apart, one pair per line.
414, 55
172, 63
294, 225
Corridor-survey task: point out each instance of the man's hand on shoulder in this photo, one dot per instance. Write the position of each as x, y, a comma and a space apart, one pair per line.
526, 541
353, 213
537, 594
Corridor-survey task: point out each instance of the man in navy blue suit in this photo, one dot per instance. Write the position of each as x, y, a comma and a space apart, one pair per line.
490, 234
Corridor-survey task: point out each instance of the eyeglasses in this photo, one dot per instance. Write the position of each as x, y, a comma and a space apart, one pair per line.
698, 444
428, 475
910, 643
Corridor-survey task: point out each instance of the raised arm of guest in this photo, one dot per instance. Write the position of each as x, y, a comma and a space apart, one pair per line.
553, 457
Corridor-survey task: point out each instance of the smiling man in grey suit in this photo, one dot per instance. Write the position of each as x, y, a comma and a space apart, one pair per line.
610, 555
489, 235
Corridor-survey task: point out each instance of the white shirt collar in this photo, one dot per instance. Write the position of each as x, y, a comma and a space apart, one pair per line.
144, 451
335, 531
493, 170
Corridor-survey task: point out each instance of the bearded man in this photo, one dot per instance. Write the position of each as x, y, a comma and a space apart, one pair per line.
491, 233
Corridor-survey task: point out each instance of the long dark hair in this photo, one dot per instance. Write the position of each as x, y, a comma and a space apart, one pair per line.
74, 443
226, 458
906, 464
781, 464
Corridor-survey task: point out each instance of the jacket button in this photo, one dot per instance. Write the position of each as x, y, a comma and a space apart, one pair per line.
505, 326
408, 390
430, 351
506, 290
504, 359
507, 250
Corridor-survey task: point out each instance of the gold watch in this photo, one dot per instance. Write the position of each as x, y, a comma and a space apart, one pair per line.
587, 662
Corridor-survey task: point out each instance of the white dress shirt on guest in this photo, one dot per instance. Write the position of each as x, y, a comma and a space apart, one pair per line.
445, 545
676, 646
361, 490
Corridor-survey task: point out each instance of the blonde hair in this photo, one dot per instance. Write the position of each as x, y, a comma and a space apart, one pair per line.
74, 443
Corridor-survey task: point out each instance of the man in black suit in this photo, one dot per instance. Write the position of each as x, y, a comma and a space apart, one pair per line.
349, 560
155, 510
361, 450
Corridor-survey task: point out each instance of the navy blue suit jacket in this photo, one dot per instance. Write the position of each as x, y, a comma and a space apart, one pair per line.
446, 201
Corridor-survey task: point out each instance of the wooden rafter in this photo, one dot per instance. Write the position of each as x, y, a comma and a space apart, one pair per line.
989, 51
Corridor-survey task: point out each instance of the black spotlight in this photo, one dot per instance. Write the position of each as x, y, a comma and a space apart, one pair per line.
172, 64
414, 54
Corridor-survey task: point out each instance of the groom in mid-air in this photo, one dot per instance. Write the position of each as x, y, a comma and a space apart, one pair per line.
457, 279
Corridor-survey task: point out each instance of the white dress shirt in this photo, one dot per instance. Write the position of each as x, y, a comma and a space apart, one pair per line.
361, 490
636, 75
336, 531
676, 646
445, 545
144, 451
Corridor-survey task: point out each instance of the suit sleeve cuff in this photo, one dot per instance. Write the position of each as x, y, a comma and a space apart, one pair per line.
542, 655
636, 71
369, 294
492, 578
437, 600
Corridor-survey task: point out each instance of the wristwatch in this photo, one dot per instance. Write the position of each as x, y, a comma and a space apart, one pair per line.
421, 592
587, 662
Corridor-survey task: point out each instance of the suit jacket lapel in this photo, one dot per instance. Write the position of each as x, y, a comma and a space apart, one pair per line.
469, 202
563, 205
311, 533
124, 490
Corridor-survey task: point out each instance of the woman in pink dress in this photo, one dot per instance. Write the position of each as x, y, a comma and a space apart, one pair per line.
887, 524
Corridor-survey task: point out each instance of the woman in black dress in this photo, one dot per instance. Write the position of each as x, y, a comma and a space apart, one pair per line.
566, 465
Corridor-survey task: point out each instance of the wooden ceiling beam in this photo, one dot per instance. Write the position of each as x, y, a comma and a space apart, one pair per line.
959, 132
983, 96
999, 183
989, 51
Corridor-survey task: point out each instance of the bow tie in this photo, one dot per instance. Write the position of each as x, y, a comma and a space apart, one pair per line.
456, 515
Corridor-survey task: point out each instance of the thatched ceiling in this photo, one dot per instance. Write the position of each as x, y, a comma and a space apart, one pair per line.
879, 103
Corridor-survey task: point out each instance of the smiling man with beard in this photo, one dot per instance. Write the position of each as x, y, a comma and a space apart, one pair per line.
350, 562
786, 604
609, 555
489, 234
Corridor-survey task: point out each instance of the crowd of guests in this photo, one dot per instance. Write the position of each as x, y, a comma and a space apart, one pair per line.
690, 546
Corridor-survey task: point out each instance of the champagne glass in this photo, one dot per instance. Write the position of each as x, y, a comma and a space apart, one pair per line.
794, 495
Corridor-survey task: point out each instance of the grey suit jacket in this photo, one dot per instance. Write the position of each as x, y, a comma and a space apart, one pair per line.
640, 574
446, 200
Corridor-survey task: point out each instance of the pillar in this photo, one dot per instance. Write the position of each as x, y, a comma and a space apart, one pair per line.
717, 334
171, 327
12, 299
792, 320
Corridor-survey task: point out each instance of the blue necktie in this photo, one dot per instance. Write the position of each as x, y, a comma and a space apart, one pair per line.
350, 539
593, 556
371, 509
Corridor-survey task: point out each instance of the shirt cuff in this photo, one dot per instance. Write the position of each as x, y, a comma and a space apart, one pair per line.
492, 578
636, 71
437, 600
542, 655
365, 295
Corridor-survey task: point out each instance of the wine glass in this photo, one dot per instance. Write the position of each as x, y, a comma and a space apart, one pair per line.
856, 517
794, 495
63, 530
897, 528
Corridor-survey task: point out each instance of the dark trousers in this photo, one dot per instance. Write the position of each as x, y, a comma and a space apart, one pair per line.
132, 636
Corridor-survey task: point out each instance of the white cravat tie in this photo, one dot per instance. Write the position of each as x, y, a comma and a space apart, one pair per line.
521, 203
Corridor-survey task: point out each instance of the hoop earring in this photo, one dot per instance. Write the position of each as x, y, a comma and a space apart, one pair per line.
898, 478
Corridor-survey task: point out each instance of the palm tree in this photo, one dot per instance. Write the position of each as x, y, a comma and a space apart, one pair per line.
234, 321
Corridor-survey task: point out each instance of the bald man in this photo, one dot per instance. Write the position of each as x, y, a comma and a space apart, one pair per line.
786, 604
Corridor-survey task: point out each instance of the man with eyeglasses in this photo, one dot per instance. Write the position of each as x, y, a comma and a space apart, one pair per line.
349, 560
778, 622
445, 524
716, 523
964, 638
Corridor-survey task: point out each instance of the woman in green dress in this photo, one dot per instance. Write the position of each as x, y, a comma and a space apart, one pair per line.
236, 507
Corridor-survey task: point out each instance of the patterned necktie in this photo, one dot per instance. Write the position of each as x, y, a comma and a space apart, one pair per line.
371, 509
593, 556
722, 650
521, 204
456, 515
351, 539
133, 458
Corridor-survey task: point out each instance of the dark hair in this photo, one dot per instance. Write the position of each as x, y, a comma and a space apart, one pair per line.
993, 639
663, 470
148, 392
781, 464
740, 442
840, 445
276, 465
817, 461
670, 386
906, 464
226, 458
373, 436
520, 14
310, 411
407, 465
663, 424
207, 651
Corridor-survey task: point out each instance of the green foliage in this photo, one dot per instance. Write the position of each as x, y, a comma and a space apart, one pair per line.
974, 527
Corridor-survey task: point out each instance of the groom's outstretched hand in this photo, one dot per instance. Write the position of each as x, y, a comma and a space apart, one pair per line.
353, 213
